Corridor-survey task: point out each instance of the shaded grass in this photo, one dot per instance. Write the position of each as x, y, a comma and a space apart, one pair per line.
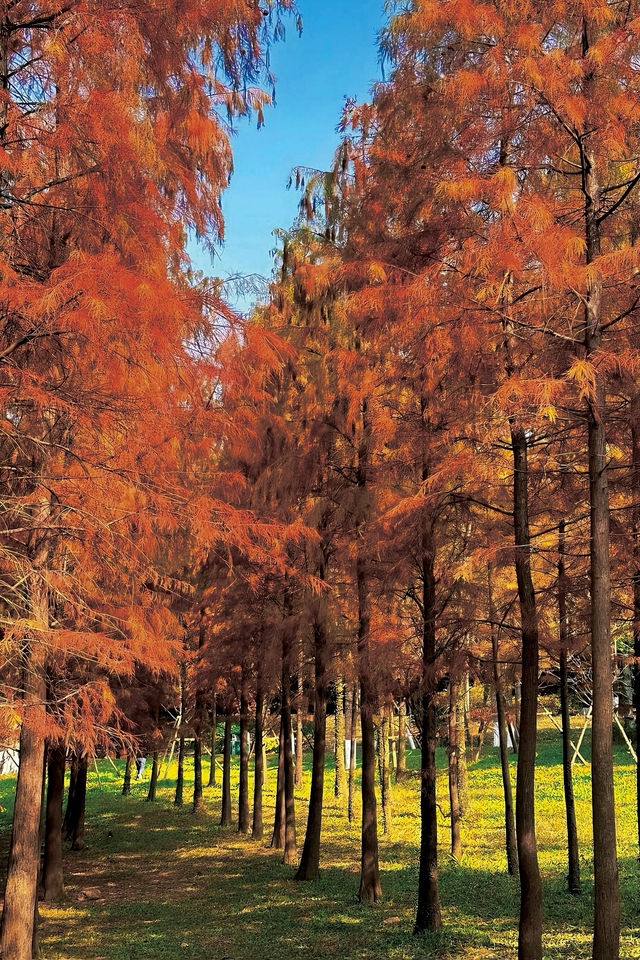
175, 885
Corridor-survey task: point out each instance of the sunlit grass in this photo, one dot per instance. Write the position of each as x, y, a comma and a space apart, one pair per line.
175, 885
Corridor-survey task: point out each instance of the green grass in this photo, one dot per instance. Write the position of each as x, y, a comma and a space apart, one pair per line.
175, 885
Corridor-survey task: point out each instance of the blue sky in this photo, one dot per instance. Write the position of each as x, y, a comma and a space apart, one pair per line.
336, 56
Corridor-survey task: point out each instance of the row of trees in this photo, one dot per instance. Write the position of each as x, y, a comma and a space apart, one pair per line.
114, 149
417, 463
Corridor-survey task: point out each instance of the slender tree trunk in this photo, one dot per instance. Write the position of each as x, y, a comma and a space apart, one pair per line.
77, 827
20, 897
606, 934
401, 767
277, 840
370, 890
428, 916
385, 776
454, 771
258, 777
179, 797
126, 785
153, 782
225, 818
299, 717
310, 860
340, 783
290, 855
68, 813
214, 726
198, 721
243, 790
530, 927
572, 829
503, 739
53, 880
462, 727
353, 748
635, 452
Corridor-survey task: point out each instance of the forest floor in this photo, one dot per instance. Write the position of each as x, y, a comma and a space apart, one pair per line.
174, 885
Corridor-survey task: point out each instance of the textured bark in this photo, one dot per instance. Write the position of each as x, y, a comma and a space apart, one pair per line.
153, 782
126, 784
310, 861
243, 784
52, 877
340, 781
257, 829
370, 890
21, 889
225, 816
454, 770
530, 925
428, 915
503, 735
401, 767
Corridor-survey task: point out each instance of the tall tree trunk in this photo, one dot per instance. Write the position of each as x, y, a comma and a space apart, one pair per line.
290, 854
20, 896
299, 717
198, 722
126, 784
277, 839
258, 777
53, 880
243, 788
225, 817
153, 782
385, 775
179, 797
370, 890
606, 940
73, 779
570, 807
606, 933
635, 455
340, 782
214, 726
530, 926
352, 749
428, 916
454, 772
503, 739
310, 861
77, 827
401, 767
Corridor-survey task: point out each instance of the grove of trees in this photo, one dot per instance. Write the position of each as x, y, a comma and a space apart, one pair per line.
409, 480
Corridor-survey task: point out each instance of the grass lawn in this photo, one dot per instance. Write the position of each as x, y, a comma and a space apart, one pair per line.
175, 885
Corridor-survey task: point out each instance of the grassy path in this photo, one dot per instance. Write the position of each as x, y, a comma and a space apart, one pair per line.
174, 885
